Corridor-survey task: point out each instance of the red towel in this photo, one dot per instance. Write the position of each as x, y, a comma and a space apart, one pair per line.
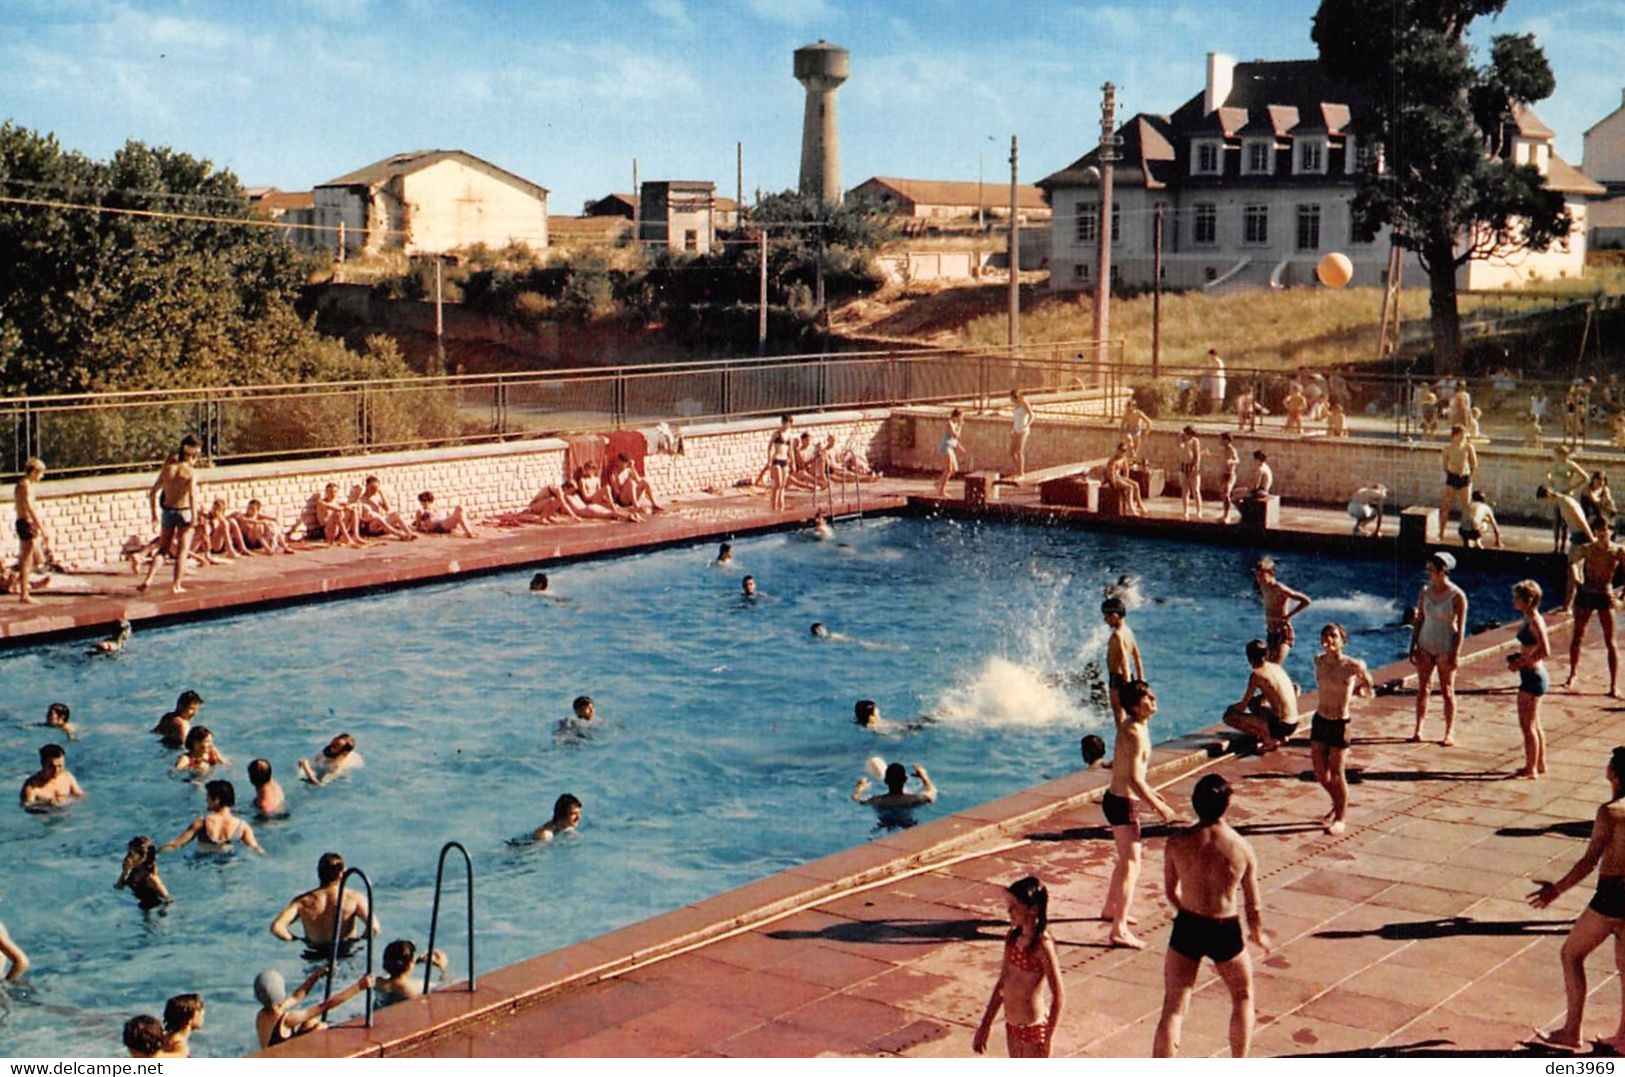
581, 451
632, 443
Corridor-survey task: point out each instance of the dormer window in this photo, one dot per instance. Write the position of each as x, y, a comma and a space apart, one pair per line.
1527, 151
1258, 157
1207, 157
1311, 154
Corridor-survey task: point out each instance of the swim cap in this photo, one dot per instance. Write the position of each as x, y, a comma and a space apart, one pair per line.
270, 988
1444, 560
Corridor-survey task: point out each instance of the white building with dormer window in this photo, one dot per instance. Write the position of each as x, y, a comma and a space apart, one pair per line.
1255, 176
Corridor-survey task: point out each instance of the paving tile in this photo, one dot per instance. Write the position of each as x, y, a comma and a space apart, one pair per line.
1356, 1010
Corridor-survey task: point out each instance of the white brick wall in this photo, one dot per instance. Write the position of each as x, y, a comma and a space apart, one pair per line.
89, 519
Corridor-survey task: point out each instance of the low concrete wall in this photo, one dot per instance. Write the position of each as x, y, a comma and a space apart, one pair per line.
90, 518
1310, 470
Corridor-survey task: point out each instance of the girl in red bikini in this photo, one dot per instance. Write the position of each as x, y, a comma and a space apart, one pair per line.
1029, 961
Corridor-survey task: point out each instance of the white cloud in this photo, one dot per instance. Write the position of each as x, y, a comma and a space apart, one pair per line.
127, 26
604, 77
1115, 25
672, 11
792, 12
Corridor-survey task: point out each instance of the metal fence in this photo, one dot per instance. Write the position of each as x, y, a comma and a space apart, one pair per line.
132, 430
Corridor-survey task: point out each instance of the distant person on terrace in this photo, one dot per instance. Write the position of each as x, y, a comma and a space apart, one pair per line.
1460, 465
259, 531
453, 523
1591, 576
30, 531
175, 492
630, 487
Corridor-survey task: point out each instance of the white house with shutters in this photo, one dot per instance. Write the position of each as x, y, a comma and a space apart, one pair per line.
1255, 176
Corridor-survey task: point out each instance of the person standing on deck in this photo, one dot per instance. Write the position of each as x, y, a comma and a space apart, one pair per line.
175, 491
1460, 465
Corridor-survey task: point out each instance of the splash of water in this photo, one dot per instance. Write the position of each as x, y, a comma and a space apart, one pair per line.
1005, 693
1359, 604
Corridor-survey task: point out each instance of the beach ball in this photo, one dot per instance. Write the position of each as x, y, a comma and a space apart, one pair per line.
1335, 270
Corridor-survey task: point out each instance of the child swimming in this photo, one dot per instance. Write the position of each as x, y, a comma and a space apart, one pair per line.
140, 874
338, 757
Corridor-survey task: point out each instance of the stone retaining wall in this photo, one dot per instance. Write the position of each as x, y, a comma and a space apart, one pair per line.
90, 518
1311, 470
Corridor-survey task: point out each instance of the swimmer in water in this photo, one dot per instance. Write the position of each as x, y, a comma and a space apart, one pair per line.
819, 631
183, 1015
895, 797
56, 717
748, 586
52, 784
582, 713
144, 1037
13, 953
538, 583
278, 1021
866, 713
566, 816
317, 910
216, 831
401, 957
268, 796
725, 555
338, 758
1093, 749
821, 528
140, 874
200, 753
173, 727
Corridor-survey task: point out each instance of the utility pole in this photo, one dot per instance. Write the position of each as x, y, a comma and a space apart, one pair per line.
739, 184
439, 318
761, 292
1156, 293
1015, 259
1103, 262
637, 210
341, 243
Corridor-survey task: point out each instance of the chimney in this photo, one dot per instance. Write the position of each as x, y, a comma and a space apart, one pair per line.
1220, 70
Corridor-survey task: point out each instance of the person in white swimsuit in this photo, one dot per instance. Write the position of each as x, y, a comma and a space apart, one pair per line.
1021, 425
1441, 620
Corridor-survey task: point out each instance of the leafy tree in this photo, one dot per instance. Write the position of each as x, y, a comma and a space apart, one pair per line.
95, 301
1447, 188
806, 234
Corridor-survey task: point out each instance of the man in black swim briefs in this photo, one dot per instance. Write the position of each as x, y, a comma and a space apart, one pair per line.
1203, 868
1603, 918
1592, 566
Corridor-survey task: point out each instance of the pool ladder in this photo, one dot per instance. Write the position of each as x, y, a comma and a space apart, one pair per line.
434, 923
434, 917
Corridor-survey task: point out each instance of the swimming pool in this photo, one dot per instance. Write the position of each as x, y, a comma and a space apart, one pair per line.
725, 751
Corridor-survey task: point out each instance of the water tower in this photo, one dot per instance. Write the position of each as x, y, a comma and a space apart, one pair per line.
821, 68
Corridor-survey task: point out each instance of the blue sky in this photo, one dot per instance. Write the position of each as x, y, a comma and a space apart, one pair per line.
291, 93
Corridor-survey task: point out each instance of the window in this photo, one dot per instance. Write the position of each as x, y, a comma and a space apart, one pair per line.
1354, 228
1206, 229
1366, 158
1206, 159
1309, 227
1311, 157
1087, 220
1210, 274
1260, 157
1117, 222
1255, 224
1080, 271
691, 240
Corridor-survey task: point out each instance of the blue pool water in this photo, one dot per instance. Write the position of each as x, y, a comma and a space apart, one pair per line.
726, 749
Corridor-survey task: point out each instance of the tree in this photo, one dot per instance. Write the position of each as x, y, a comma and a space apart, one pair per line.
806, 235
1446, 186
93, 300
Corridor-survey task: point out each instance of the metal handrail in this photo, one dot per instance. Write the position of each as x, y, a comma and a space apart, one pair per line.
338, 940
434, 916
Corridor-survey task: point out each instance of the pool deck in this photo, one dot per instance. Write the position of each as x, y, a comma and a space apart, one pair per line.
1408, 935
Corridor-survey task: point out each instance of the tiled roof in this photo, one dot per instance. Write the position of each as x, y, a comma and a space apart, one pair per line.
1562, 176
401, 164
959, 193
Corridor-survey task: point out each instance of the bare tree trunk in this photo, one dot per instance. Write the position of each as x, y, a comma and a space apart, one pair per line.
1443, 315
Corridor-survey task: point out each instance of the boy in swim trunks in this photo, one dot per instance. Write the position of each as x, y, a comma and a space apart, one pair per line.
1268, 708
30, 532
1603, 918
1122, 654
1129, 758
1337, 677
175, 490
217, 830
1190, 471
1460, 465
1478, 519
1203, 868
1591, 576
1275, 595
52, 784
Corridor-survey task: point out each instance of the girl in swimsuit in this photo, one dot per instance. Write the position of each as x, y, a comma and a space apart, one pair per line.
216, 831
278, 1021
1190, 471
1441, 618
778, 466
1029, 961
1533, 681
200, 753
140, 874
950, 450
